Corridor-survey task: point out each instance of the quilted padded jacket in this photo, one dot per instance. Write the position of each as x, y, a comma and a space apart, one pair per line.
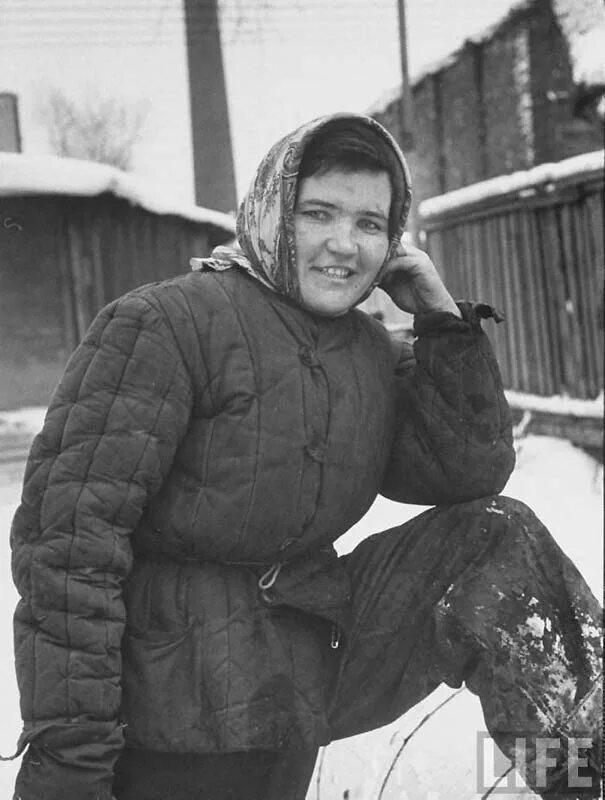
205, 429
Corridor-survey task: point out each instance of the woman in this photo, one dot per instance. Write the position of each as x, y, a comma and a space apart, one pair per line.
186, 629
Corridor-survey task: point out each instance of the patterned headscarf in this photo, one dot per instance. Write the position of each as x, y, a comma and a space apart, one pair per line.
265, 222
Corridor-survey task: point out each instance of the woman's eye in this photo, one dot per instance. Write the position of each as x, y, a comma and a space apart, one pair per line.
370, 226
316, 213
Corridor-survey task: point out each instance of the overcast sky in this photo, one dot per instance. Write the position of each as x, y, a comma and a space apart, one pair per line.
286, 61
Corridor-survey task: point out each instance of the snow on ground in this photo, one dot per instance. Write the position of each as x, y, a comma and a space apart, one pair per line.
560, 482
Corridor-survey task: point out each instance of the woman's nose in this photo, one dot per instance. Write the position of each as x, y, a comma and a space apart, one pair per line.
342, 239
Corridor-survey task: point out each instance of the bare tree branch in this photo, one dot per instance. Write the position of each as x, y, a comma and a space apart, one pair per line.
100, 129
422, 722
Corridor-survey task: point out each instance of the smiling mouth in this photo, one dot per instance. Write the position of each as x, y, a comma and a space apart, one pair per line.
341, 273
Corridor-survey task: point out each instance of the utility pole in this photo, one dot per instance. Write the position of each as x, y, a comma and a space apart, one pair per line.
212, 154
406, 108
406, 115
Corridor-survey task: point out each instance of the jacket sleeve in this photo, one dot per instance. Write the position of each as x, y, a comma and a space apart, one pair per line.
453, 435
106, 446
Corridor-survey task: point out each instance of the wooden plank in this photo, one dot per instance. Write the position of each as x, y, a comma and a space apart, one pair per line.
435, 249
449, 265
130, 277
490, 276
96, 254
539, 310
596, 233
116, 257
558, 277
462, 262
498, 227
70, 327
594, 203
493, 254
489, 287
78, 267
581, 271
591, 291
518, 265
500, 334
478, 268
546, 328
454, 252
544, 223
578, 387
466, 265
575, 309
596, 259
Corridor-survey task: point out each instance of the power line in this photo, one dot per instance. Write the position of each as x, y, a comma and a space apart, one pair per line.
150, 12
308, 23
277, 35
179, 22
118, 21
60, 33
169, 24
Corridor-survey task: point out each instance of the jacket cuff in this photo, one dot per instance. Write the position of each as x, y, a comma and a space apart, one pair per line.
43, 778
436, 323
68, 761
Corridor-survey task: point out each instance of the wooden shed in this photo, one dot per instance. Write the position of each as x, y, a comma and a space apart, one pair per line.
74, 235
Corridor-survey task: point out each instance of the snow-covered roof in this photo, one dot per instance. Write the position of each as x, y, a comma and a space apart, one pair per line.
544, 175
582, 23
22, 174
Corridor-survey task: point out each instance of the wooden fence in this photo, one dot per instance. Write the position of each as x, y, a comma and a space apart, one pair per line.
61, 259
536, 254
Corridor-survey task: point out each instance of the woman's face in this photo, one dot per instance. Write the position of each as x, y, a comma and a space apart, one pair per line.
341, 225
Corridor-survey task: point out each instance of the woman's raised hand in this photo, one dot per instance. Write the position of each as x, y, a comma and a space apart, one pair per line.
412, 282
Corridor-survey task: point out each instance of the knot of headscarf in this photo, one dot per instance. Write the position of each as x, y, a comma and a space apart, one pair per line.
223, 258
265, 221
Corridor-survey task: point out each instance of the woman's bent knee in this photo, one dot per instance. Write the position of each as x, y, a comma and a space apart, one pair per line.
508, 508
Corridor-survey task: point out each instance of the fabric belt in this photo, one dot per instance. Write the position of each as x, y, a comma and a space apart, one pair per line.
269, 574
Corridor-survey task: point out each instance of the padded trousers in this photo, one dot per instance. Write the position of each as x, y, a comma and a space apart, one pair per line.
476, 593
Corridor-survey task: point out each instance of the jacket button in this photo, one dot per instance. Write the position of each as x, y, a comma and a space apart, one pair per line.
308, 357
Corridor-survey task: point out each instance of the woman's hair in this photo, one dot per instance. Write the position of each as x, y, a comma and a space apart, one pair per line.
347, 147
